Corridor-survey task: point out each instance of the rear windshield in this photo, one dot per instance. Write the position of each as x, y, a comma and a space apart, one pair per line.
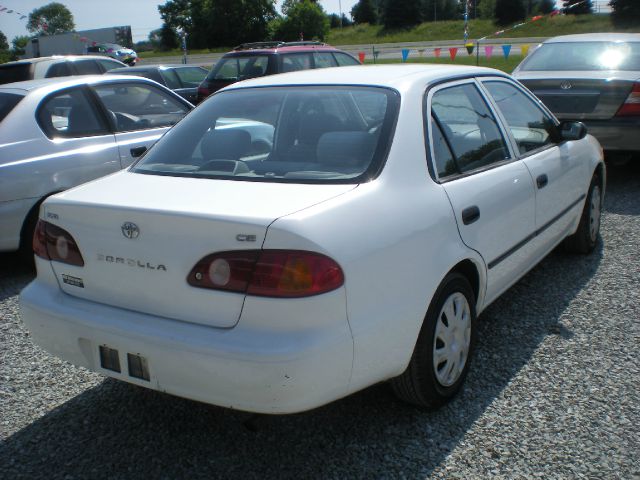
584, 56
7, 102
14, 73
284, 134
239, 68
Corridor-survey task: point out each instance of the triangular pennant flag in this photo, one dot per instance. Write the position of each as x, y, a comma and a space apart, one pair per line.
488, 51
469, 47
453, 51
405, 54
361, 56
524, 49
436, 52
505, 50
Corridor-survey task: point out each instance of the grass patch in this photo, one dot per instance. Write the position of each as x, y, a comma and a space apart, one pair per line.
453, 29
500, 63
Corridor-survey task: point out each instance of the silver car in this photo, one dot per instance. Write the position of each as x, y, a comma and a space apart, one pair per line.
58, 133
593, 78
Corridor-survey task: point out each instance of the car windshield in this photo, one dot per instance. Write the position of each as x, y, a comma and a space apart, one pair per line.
7, 102
239, 67
304, 134
579, 56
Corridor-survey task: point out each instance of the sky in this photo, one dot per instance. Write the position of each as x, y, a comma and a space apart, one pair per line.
142, 15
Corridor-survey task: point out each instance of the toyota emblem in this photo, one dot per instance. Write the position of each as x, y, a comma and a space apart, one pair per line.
565, 85
130, 230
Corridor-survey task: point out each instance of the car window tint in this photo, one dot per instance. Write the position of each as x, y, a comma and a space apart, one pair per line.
7, 102
14, 73
288, 134
170, 78
138, 107
109, 64
531, 127
445, 163
240, 68
292, 62
60, 69
70, 114
324, 60
191, 77
87, 67
469, 126
345, 60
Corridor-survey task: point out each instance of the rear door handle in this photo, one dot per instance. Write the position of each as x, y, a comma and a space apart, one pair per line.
470, 215
137, 151
542, 180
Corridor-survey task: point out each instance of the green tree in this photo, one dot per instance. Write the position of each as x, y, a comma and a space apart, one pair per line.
487, 9
435, 10
509, 11
306, 19
546, 6
625, 13
18, 45
168, 38
5, 54
364, 12
401, 13
289, 4
577, 7
51, 19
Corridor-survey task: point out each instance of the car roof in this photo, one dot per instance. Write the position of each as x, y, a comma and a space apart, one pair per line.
142, 68
281, 47
64, 82
596, 37
392, 76
27, 61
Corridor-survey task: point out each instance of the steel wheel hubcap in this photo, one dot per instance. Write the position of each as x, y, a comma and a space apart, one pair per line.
452, 339
594, 213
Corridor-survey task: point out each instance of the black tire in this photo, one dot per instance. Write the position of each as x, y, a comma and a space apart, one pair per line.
585, 239
26, 235
419, 384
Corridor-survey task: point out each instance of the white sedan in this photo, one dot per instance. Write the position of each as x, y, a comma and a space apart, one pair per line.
300, 237
56, 133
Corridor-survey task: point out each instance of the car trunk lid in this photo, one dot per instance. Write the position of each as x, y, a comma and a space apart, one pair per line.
140, 236
570, 96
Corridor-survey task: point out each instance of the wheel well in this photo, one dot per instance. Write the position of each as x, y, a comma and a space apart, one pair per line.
29, 219
599, 172
470, 271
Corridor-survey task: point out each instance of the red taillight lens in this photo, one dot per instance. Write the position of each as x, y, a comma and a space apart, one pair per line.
268, 273
54, 243
203, 92
631, 106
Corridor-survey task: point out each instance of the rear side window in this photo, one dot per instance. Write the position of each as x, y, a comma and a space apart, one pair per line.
7, 102
469, 127
109, 64
60, 69
324, 60
292, 62
14, 73
87, 67
345, 60
70, 114
191, 77
139, 107
240, 67
281, 134
171, 80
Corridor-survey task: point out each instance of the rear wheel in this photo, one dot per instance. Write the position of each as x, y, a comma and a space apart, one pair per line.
586, 237
441, 357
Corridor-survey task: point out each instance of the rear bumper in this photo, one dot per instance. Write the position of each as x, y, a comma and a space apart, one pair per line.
621, 134
248, 367
12, 216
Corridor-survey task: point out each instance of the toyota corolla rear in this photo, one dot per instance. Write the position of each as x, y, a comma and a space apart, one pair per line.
594, 79
158, 275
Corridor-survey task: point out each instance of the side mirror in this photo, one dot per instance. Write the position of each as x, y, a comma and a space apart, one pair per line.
569, 131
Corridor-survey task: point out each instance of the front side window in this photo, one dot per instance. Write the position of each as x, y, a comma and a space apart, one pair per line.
87, 67
284, 134
240, 67
138, 107
107, 64
59, 69
170, 78
470, 129
70, 114
324, 60
530, 126
191, 77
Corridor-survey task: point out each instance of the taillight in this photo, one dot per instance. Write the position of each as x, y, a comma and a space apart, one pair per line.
203, 92
53, 243
268, 273
631, 106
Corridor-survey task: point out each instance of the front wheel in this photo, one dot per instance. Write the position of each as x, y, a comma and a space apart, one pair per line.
586, 236
442, 354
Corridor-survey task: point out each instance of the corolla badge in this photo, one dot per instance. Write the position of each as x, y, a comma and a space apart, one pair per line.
566, 85
130, 230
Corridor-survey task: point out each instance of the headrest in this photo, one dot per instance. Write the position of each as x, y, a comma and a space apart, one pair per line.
227, 143
346, 148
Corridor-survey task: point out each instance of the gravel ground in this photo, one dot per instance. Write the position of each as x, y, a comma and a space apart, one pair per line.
553, 393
